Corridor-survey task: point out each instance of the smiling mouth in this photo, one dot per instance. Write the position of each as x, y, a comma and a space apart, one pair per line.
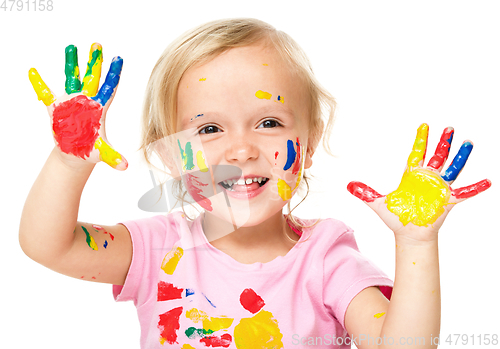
231, 183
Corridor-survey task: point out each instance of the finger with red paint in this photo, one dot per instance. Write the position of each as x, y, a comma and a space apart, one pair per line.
78, 117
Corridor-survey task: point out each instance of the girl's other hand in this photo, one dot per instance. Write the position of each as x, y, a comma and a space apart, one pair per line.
419, 206
78, 116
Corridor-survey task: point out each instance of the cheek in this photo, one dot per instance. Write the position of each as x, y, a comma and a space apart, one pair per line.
287, 172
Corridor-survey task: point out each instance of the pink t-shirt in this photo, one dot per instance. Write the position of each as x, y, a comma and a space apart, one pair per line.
189, 294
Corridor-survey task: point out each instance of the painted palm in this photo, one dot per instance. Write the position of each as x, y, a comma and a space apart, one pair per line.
424, 196
78, 116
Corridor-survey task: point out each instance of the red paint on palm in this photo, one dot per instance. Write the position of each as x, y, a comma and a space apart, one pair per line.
76, 124
251, 301
363, 192
471, 190
213, 341
167, 291
169, 324
442, 149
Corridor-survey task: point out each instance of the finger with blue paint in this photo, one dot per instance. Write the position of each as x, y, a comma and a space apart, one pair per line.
458, 162
108, 89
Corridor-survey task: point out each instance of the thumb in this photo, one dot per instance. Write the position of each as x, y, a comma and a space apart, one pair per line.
110, 156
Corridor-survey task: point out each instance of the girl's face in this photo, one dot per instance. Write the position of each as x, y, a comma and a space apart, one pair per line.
242, 115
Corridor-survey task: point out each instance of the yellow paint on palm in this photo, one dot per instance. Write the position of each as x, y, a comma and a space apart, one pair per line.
42, 91
259, 331
90, 83
420, 197
201, 161
108, 154
263, 95
378, 315
284, 190
171, 259
417, 154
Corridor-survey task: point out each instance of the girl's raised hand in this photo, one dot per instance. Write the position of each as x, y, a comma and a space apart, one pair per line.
419, 206
78, 116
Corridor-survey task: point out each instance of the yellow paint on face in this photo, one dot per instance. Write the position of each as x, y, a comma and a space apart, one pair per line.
42, 91
171, 260
90, 83
417, 154
263, 95
259, 331
420, 197
203, 79
200, 160
284, 190
265, 64
108, 154
379, 315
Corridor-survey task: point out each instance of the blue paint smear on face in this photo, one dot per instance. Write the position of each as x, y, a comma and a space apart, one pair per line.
291, 153
189, 292
209, 301
105, 243
458, 162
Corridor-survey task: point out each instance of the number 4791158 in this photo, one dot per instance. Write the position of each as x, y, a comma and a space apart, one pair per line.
27, 5
472, 339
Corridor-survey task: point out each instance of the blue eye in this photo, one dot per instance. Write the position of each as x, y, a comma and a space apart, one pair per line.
270, 123
209, 129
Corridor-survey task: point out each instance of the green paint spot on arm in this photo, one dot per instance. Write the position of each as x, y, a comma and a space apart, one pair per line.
90, 240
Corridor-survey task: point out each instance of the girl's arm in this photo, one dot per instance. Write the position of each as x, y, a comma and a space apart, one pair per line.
415, 213
49, 232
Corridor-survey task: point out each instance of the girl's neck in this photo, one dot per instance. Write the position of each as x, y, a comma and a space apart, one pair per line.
273, 231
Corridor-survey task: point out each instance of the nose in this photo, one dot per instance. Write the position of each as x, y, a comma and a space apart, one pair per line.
241, 149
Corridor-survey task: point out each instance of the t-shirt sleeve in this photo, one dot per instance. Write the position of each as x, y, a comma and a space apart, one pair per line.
346, 273
144, 233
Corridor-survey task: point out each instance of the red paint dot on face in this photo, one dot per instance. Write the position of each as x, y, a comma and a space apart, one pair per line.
193, 187
76, 124
251, 301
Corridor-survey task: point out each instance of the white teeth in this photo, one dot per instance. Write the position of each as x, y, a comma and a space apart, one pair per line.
259, 179
249, 181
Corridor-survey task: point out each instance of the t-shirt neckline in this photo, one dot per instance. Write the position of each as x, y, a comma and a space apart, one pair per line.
197, 231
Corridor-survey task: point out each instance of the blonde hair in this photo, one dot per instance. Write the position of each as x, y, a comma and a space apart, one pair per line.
204, 43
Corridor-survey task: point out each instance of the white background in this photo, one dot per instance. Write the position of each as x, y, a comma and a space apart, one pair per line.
391, 66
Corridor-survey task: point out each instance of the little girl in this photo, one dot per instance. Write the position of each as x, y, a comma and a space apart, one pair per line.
235, 113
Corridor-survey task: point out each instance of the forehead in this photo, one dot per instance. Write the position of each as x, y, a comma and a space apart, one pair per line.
230, 82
